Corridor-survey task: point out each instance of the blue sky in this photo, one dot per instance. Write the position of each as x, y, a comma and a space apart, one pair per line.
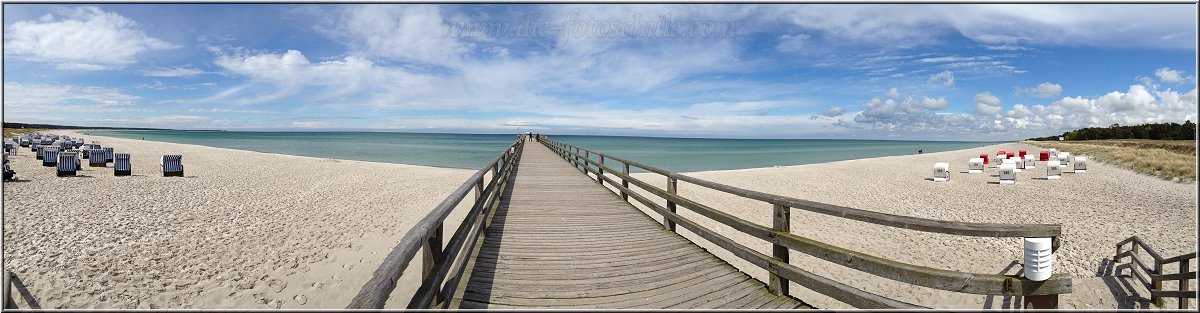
895, 71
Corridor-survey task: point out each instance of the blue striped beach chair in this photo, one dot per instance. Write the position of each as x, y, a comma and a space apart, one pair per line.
97, 159
49, 156
68, 163
121, 165
172, 165
108, 155
25, 141
38, 149
86, 149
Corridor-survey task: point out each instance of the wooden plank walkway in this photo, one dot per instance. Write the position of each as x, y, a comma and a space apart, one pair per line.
560, 240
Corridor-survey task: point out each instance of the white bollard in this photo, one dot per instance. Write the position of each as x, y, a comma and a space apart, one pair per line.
1039, 258
975, 165
941, 171
1053, 170
1081, 164
1008, 174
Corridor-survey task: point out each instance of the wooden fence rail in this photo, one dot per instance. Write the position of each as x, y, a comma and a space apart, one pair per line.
426, 236
1038, 294
1156, 274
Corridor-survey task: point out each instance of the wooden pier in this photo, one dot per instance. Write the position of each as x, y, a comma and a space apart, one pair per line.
544, 231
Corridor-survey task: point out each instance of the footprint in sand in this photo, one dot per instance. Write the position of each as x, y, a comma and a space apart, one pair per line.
300, 299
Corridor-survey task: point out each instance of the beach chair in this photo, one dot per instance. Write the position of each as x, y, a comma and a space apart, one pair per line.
97, 159
1044, 156
1063, 157
86, 149
1053, 170
1030, 161
121, 165
108, 155
1021, 154
1081, 164
1053, 154
1008, 175
975, 165
37, 149
941, 171
172, 165
49, 156
1020, 163
1012, 162
25, 141
9, 174
68, 163
984, 156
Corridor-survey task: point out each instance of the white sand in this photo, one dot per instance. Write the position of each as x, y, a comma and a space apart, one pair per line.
241, 230
1096, 210
256, 230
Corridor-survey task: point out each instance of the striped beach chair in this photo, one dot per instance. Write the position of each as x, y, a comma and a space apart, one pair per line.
68, 163
97, 159
39, 149
25, 141
49, 156
87, 149
108, 155
172, 165
121, 165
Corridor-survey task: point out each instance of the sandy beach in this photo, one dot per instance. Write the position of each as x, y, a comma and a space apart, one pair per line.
257, 230
1096, 210
241, 230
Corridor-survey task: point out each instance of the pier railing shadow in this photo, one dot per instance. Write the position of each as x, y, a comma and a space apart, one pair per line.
1150, 271
11, 280
1032, 294
439, 257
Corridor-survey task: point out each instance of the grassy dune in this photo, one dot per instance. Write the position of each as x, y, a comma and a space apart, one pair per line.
1168, 159
9, 132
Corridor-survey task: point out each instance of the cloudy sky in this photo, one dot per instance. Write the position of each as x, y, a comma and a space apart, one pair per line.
899, 71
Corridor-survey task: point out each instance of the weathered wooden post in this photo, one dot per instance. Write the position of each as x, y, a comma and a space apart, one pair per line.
1184, 266
9, 303
781, 222
1158, 270
672, 184
625, 183
599, 169
1040, 302
432, 255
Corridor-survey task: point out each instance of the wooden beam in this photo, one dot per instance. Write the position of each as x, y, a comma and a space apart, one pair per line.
781, 223
672, 186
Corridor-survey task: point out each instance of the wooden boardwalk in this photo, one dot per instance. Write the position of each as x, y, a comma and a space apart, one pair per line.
560, 240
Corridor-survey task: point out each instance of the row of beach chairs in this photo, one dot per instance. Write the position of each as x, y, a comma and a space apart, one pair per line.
1010, 163
65, 155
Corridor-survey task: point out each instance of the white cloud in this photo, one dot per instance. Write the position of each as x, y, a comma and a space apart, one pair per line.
954, 59
792, 42
834, 111
21, 95
987, 104
945, 78
178, 71
1171, 76
1044, 90
82, 38
414, 33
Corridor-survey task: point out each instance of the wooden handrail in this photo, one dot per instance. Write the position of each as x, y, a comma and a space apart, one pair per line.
1156, 274
426, 235
991, 284
906, 222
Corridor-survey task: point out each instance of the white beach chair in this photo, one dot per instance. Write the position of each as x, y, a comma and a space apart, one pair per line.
49, 156
1053, 170
1030, 161
1013, 163
172, 165
1063, 157
97, 158
1081, 164
1008, 174
941, 171
68, 163
1020, 165
121, 165
975, 165
1053, 154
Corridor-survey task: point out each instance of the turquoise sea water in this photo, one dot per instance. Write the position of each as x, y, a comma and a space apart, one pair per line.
472, 151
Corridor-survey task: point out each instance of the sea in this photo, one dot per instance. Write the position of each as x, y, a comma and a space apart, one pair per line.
472, 151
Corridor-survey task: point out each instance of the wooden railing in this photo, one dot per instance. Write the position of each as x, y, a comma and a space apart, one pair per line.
1156, 273
426, 236
8, 299
1037, 294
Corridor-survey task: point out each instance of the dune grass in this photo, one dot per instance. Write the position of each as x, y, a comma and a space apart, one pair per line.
9, 132
1167, 159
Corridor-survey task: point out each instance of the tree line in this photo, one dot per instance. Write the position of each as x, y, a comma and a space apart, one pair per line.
1158, 131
